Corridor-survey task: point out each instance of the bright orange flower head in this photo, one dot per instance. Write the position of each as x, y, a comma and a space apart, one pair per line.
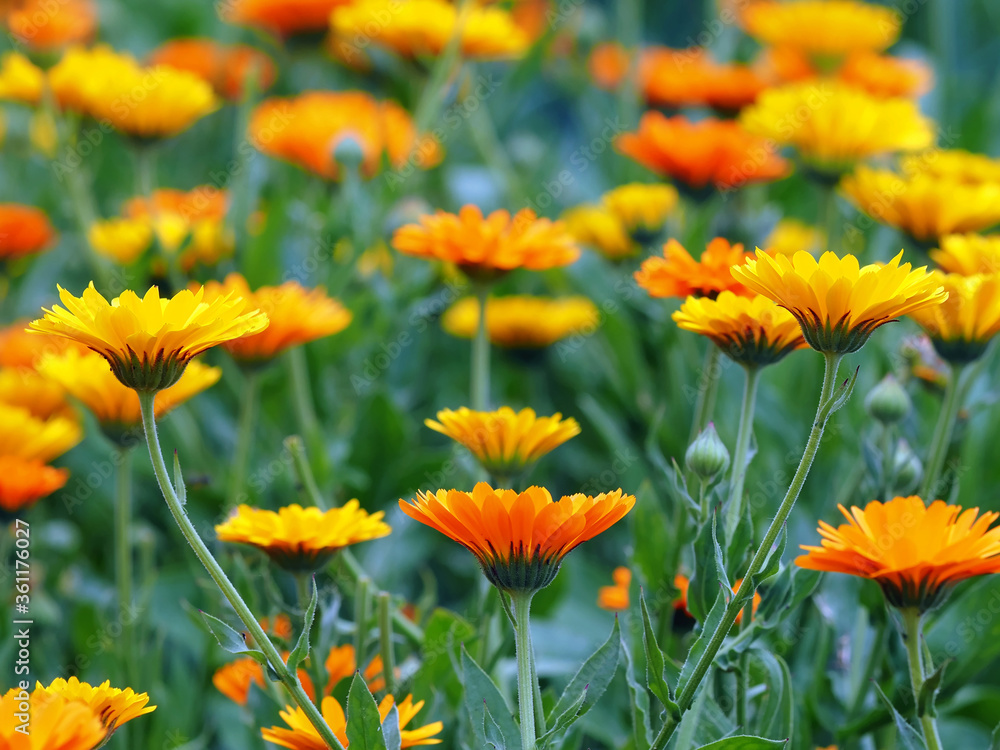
608, 64
519, 539
281, 17
342, 663
484, 247
615, 598
45, 26
24, 230
226, 67
23, 481
24, 350
298, 316
915, 552
690, 78
708, 153
677, 274
57, 723
233, 680
885, 76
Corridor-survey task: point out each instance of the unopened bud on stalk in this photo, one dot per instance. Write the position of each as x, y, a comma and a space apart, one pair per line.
707, 455
888, 402
349, 152
907, 468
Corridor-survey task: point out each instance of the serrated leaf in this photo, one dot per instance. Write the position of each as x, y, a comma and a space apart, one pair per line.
179, 489
301, 650
772, 563
481, 694
929, 691
592, 678
777, 709
494, 735
698, 647
565, 720
655, 662
909, 737
364, 724
744, 742
390, 730
230, 639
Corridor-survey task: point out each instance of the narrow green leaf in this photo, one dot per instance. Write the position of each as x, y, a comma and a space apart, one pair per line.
655, 663
777, 709
929, 691
492, 731
720, 564
301, 650
565, 720
698, 647
364, 724
179, 487
772, 563
592, 678
995, 738
230, 639
390, 730
744, 742
909, 737
708, 575
691, 721
641, 728
482, 695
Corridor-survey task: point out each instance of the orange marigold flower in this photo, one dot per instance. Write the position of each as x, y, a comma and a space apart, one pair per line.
487, 246
24, 350
341, 663
615, 598
233, 680
298, 316
113, 706
708, 153
24, 435
225, 67
281, 17
307, 129
682, 583
885, 76
57, 723
45, 26
677, 274
690, 78
279, 626
23, 481
608, 64
24, 230
915, 552
28, 389
519, 539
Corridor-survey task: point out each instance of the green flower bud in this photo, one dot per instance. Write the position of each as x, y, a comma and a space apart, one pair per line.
707, 455
349, 152
888, 402
907, 468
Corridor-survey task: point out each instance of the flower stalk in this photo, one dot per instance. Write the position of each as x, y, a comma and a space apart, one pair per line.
942, 433
705, 403
480, 385
287, 676
123, 560
521, 604
385, 640
244, 437
735, 507
912, 632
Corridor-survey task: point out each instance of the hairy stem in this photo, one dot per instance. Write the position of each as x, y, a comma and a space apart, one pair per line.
942, 434
709, 386
244, 438
734, 510
912, 626
521, 602
480, 374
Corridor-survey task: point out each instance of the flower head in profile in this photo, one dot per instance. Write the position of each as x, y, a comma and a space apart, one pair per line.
283, 18
885, 76
964, 324
300, 734
505, 441
915, 552
226, 68
968, 254
752, 331
302, 539
642, 208
43, 26
615, 598
32, 390
690, 78
602, 229
148, 341
789, 236
519, 539
843, 124
114, 706
26, 436
24, 481
702, 155
486, 246
523, 321
24, 230
953, 165
20, 79
56, 722
21, 349
677, 274
837, 301
307, 129
297, 316
924, 205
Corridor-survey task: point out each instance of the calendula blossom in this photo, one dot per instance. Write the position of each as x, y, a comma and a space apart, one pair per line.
642, 208
281, 17
24, 435
837, 301
964, 324
20, 79
341, 663
616, 598
225, 67
968, 254
44, 27
122, 240
954, 165
789, 236
114, 706
24, 230
885, 76
602, 229
677, 274
31, 390
233, 680
523, 321
57, 723
24, 481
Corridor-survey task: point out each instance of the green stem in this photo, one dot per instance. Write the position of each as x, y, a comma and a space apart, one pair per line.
145, 171
687, 691
480, 385
123, 558
912, 636
445, 68
244, 438
521, 602
287, 676
734, 510
305, 411
297, 450
361, 595
705, 403
242, 192
385, 641
888, 463
942, 433
831, 218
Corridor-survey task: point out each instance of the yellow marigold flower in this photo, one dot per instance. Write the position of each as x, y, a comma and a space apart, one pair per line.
953, 164
29, 390
24, 481
24, 230
519, 539
752, 331
504, 441
302, 735
643, 209
120, 240
341, 663
45, 26
924, 206
916, 553
282, 17
56, 723
964, 324
88, 378
837, 301
600, 228
789, 236
832, 125
824, 29
415, 28
114, 706
522, 321
302, 539
677, 274
615, 598
20, 79
298, 316
307, 129
26, 436
148, 341
885, 76
968, 254
488, 246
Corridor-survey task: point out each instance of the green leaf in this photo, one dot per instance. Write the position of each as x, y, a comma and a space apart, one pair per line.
772, 563
929, 691
301, 650
364, 724
655, 664
482, 695
390, 730
995, 739
592, 678
231, 639
744, 742
642, 730
440, 670
565, 720
701, 644
179, 487
909, 737
709, 575
651, 532
494, 735
777, 710
692, 720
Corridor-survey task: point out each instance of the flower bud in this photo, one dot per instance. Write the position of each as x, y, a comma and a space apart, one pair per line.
349, 151
888, 402
907, 468
707, 455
